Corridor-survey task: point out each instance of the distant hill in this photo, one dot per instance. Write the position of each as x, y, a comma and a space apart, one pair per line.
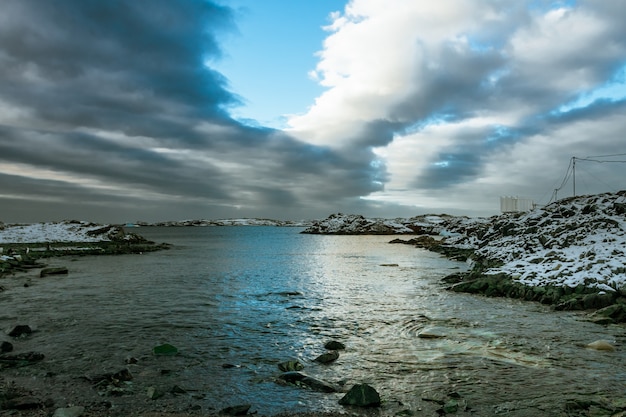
228, 222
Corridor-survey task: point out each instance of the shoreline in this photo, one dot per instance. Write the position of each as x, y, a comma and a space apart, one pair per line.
602, 307
41, 394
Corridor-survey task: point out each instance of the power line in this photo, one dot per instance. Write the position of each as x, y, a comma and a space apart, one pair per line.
607, 156
571, 171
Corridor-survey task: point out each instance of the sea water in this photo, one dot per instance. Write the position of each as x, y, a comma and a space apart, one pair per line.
236, 301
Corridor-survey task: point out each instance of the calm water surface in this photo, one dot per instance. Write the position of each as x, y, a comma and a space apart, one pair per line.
251, 297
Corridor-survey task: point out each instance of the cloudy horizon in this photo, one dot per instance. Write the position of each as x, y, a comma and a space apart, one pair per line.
113, 112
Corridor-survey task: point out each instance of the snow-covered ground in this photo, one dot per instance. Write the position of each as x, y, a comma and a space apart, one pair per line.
68, 231
575, 241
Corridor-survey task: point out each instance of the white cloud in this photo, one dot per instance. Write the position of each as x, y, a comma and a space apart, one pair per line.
469, 89
374, 59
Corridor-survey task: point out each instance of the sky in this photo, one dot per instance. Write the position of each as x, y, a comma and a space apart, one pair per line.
116, 111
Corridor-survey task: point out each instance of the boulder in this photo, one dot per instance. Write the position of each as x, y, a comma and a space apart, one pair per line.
154, 393
327, 357
334, 345
288, 366
20, 330
361, 395
6, 347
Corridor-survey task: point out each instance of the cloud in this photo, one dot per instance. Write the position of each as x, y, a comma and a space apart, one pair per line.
470, 90
113, 110
113, 107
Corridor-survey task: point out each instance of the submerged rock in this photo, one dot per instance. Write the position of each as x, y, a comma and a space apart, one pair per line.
601, 345
75, 411
60, 270
432, 333
22, 359
165, 350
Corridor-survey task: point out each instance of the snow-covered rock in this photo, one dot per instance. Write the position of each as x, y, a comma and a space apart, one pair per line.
355, 224
66, 231
575, 241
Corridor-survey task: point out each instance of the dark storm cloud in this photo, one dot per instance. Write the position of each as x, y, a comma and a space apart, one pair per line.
121, 93
113, 56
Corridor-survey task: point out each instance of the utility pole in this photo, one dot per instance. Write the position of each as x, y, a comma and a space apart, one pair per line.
574, 173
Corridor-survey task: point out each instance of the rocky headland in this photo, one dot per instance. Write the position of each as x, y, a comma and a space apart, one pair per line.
22, 246
570, 254
356, 224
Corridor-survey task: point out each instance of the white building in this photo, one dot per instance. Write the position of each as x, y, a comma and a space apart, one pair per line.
510, 204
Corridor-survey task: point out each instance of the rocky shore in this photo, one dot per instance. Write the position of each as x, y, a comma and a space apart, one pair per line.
570, 254
22, 247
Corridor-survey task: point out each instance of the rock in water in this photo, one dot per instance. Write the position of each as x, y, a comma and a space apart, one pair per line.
288, 366
20, 330
327, 357
236, 410
165, 350
361, 395
154, 393
334, 345
61, 270
303, 380
601, 345
69, 412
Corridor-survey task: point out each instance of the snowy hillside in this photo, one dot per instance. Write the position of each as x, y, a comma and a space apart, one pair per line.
575, 241
355, 224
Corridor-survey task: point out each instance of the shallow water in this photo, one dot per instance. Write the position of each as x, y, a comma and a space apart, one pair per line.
236, 301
